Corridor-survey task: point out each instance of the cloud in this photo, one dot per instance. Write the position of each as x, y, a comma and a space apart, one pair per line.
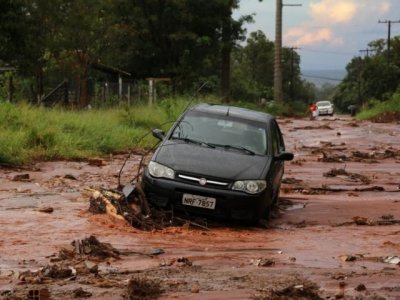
336, 22
334, 11
385, 7
302, 36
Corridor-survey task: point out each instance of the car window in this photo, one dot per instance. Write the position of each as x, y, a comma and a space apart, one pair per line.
278, 145
222, 130
323, 103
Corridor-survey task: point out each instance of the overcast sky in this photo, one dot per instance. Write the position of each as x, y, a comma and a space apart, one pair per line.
328, 32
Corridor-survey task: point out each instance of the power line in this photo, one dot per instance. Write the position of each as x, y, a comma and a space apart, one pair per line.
367, 51
389, 22
327, 52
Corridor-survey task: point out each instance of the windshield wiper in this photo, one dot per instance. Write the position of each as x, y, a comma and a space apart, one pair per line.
193, 141
243, 149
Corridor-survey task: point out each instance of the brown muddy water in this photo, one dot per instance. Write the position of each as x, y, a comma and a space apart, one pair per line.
333, 237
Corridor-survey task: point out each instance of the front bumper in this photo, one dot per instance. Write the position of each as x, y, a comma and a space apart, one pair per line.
325, 112
229, 204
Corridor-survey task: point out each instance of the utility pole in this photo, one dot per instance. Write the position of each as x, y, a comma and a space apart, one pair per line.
389, 22
292, 72
278, 93
367, 51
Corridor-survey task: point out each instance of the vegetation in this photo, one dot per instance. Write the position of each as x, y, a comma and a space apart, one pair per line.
375, 76
377, 108
91, 46
185, 42
28, 133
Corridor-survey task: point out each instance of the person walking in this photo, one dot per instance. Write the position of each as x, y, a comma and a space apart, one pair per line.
312, 108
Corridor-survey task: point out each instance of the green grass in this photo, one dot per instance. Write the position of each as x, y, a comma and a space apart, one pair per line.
29, 133
378, 108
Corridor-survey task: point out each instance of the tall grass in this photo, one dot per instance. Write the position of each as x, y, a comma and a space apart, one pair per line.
29, 133
377, 108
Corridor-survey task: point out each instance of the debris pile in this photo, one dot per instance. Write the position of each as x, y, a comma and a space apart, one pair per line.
351, 176
94, 249
71, 261
356, 156
324, 126
131, 206
142, 288
306, 291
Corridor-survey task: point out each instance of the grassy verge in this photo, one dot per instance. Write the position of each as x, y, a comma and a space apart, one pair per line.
29, 133
379, 108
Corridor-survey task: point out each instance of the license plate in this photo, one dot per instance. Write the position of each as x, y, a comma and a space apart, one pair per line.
198, 201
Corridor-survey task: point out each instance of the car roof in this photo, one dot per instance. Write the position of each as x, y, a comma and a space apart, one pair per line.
233, 111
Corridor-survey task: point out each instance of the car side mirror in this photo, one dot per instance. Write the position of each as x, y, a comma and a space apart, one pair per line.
158, 133
285, 156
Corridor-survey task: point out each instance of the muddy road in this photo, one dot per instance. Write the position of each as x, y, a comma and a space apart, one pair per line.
335, 234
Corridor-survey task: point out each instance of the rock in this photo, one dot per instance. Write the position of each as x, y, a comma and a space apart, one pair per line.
361, 287
346, 258
394, 260
156, 251
21, 177
46, 209
80, 293
96, 162
69, 176
266, 263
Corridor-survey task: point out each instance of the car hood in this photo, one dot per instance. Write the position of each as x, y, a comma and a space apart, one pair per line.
213, 162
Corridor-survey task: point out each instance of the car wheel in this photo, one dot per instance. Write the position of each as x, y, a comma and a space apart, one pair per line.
267, 213
276, 197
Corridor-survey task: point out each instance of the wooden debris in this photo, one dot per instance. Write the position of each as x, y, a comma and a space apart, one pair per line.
131, 206
92, 247
101, 204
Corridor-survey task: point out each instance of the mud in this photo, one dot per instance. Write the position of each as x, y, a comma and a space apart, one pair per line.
333, 237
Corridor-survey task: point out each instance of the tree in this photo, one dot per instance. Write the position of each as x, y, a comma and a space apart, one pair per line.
370, 77
12, 29
253, 71
185, 40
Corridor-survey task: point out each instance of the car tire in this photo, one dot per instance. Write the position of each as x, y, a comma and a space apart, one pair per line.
275, 198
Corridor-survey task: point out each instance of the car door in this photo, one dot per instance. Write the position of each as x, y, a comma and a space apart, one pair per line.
277, 166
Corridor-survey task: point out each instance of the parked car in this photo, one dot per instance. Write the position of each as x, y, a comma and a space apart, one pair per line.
218, 160
324, 108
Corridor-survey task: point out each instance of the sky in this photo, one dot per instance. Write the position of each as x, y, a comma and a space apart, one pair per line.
329, 33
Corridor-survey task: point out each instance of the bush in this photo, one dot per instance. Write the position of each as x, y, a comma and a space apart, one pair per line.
375, 108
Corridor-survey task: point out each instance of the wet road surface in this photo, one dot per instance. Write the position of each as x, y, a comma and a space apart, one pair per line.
336, 231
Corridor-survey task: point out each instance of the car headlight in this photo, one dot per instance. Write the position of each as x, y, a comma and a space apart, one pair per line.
158, 170
250, 186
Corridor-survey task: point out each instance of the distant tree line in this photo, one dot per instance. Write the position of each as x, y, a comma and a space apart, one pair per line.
188, 41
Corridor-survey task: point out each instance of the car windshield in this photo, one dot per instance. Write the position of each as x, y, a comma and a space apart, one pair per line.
323, 103
224, 131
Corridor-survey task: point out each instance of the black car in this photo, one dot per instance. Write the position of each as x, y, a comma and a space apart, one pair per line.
218, 160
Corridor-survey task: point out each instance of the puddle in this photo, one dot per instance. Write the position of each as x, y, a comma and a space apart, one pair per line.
295, 206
